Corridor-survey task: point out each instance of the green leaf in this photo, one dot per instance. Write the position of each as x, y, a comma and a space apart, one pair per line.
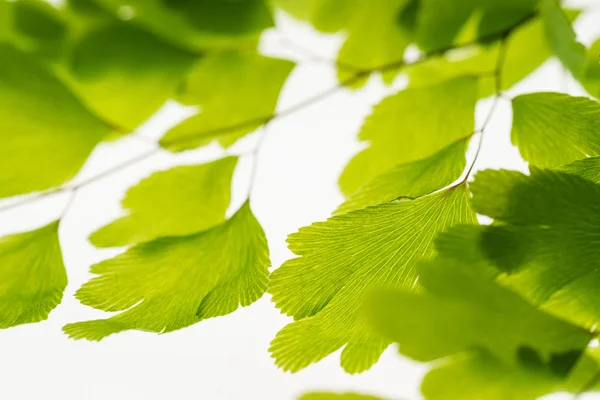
439, 22
412, 179
124, 73
461, 309
588, 168
561, 37
225, 17
481, 376
172, 283
46, 134
336, 396
546, 238
526, 50
342, 258
237, 93
552, 129
590, 78
183, 26
411, 125
176, 202
33, 276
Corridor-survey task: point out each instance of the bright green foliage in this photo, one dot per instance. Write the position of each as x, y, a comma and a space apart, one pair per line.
342, 258
551, 129
411, 125
561, 37
176, 202
411, 180
461, 309
168, 19
336, 396
590, 78
234, 90
124, 73
32, 274
547, 240
368, 45
588, 168
46, 134
172, 283
439, 22
481, 376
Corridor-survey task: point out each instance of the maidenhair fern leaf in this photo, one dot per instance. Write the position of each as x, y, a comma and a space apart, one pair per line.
172, 283
32, 274
341, 259
176, 202
411, 125
237, 93
46, 134
552, 129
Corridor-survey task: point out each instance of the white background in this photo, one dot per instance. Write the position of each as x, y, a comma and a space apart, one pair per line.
226, 358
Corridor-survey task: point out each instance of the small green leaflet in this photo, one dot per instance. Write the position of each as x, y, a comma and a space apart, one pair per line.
411, 125
411, 180
237, 93
176, 202
342, 258
368, 45
33, 276
552, 129
45, 131
590, 78
172, 283
561, 37
526, 50
588, 168
546, 238
439, 22
174, 25
124, 73
336, 396
461, 309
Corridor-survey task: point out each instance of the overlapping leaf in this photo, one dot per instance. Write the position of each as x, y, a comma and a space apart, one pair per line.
172, 283
342, 258
237, 93
176, 202
546, 242
33, 276
590, 78
561, 37
411, 125
46, 134
552, 129
411, 180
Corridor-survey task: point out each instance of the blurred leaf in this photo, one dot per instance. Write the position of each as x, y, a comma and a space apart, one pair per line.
124, 73
176, 202
561, 37
172, 283
412, 179
33, 276
590, 78
460, 309
546, 238
237, 93
411, 125
551, 129
344, 257
46, 134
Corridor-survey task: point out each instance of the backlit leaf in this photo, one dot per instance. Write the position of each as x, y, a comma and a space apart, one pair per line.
172, 283
551, 129
342, 258
411, 125
176, 202
46, 134
33, 276
237, 93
